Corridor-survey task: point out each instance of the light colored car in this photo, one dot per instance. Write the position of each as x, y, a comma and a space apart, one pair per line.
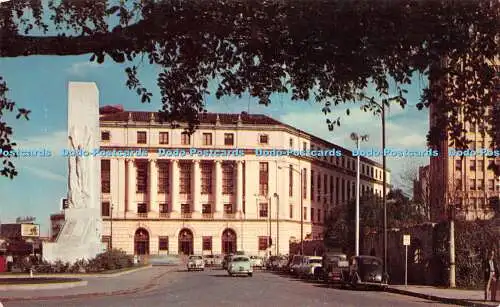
240, 265
195, 263
257, 262
311, 267
209, 260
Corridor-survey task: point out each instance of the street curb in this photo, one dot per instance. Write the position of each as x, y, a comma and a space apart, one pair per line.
81, 275
445, 300
49, 286
149, 286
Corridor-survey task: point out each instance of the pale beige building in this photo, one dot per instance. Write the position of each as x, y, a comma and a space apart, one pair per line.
159, 203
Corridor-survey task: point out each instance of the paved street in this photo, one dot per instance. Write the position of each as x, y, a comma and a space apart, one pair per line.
215, 288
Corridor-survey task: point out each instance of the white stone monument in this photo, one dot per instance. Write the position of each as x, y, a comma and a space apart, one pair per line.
80, 237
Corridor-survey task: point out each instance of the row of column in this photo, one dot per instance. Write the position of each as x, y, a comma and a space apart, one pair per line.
175, 204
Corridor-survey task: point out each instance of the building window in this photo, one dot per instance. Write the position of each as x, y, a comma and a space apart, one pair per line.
480, 165
325, 187
472, 165
142, 177
348, 186
105, 136
318, 187
290, 181
343, 189
163, 208
319, 215
227, 178
291, 211
141, 137
206, 209
228, 208
291, 143
229, 139
163, 243
185, 138
105, 176
206, 178
458, 165
491, 184
313, 192
304, 212
312, 215
207, 139
331, 189
105, 208
263, 178
263, 243
207, 243
472, 183
185, 178
304, 183
458, 184
337, 189
264, 139
304, 146
263, 210
142, 208
163, 137
163, 177
185, 208
362, 169
480, 186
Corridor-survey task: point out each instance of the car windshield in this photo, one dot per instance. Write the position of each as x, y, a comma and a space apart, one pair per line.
195, 258
240, 259
370, 262
315, 260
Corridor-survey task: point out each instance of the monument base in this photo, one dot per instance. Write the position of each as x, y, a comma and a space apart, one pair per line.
80, 237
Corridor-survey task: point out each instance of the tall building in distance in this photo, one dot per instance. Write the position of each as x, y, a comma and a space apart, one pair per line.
466, 182
171, 203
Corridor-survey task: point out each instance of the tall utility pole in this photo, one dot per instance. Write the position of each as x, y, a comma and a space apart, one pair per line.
452, 245
277, 223
357, 138
111, 228
384, 179
301, 213
269, 237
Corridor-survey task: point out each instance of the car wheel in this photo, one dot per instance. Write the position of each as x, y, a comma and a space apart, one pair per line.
230, 274
250, 274
189, 270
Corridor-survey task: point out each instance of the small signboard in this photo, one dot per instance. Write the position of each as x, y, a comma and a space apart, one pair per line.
406, 240
30, 230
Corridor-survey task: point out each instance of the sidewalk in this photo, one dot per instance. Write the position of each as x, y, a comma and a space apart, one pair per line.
448, 296
124, 284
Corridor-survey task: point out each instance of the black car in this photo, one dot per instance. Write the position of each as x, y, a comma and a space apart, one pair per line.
367, 271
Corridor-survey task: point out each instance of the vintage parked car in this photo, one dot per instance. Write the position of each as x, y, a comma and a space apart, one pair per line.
295, 264
240, 265
195, 263
367, 271
310, 267
226, 260
335, 267
257, 262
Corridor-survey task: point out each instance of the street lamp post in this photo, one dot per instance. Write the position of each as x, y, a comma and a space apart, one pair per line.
301, 209
358, 138
111, 228
277, 223
384, 179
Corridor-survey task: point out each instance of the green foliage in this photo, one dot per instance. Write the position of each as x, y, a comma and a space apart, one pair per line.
340, 226
472, 242
327, 51
107, 261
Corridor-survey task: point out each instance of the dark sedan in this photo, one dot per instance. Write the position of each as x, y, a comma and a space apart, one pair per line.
367, 271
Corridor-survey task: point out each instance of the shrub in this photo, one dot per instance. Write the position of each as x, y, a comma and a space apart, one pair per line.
110, 260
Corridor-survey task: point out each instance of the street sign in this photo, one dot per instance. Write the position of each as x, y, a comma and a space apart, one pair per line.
406, 240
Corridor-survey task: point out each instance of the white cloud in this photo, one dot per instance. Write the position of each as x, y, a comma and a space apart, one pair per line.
81, 69
54, 141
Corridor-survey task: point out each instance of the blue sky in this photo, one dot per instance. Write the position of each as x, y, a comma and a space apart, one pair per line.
40, 83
